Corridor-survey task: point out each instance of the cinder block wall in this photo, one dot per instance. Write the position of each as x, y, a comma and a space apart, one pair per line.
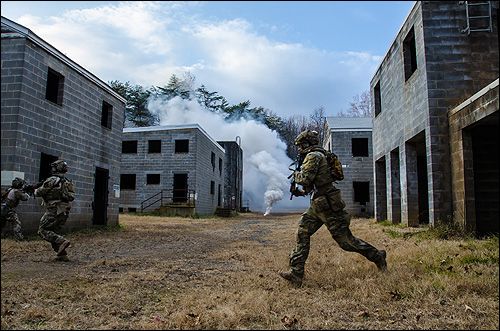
32, 125
233, 165
356, 169
464, 209
196, 164
451, 66
403, 109
458, 65
207, 203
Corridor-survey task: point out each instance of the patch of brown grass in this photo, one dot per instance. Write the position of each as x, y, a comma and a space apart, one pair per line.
218, 273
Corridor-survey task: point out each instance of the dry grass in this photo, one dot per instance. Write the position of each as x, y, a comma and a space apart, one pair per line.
174, 273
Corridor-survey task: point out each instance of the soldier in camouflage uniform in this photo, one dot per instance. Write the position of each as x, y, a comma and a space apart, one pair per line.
326, 208
57, 201
13, 195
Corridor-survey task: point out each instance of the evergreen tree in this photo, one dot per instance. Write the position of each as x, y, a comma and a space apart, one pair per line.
136, 112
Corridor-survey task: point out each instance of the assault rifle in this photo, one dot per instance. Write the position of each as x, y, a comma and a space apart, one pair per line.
30, 189
294, 190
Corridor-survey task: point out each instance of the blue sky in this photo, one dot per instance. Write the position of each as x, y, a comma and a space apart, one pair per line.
287, 56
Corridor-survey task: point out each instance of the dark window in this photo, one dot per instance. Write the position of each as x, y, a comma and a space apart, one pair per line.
106, 115
410, 54
359, 146
129, 147
45, 161
220, 166
152, 179
361, 192
132, 210
120, 209
55, 87
212, 187
127, 182
182, 146
154, 146
212, 160
378, 103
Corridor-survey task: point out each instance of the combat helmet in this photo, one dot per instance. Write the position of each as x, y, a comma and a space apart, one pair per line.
18, 182
310, 137
59, 167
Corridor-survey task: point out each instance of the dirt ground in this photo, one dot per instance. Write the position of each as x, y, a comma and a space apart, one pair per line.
221, 273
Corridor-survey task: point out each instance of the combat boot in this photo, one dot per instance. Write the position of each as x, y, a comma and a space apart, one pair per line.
381, 262
62, 249
293, 278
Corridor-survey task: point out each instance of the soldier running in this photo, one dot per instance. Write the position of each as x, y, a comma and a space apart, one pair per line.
326, 208
57, 193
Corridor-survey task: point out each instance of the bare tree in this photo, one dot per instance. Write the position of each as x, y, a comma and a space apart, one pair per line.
360, 106
318, 121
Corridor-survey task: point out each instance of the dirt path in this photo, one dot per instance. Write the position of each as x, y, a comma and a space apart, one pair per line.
176, 273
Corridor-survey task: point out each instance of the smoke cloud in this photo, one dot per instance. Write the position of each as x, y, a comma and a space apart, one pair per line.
265, 163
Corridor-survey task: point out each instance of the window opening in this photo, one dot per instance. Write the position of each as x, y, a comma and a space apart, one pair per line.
106, 114
410, 54
127, 182
129, 147
153, 179
359, 147
154, 146
182, 146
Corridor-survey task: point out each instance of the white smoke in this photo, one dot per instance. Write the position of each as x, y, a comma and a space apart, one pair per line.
265, 163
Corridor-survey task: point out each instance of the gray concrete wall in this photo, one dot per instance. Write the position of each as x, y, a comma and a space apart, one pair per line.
71, 131
403, 107
196, 164
462, 121
359, 169
233, 165
458, 65
451, 66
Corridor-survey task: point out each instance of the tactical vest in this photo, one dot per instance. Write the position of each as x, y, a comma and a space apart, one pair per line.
334, 165
63, 189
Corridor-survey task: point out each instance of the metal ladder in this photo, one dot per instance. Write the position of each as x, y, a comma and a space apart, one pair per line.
478, 16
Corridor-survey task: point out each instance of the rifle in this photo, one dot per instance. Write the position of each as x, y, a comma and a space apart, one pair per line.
30, 189
294, 190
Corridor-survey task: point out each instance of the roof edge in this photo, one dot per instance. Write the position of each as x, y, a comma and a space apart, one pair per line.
474, 97
174, 127
54, 51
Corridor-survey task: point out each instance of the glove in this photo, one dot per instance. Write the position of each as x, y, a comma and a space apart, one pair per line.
298, 192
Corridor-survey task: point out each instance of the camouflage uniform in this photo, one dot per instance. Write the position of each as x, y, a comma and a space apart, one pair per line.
57, 208
9, 214
326, 208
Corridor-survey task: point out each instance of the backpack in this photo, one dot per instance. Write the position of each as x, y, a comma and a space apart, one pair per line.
5, 193
334, 164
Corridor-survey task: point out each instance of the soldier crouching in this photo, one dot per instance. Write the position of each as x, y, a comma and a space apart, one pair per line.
13, 196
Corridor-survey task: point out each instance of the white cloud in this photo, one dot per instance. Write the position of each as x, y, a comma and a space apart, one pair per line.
146, 42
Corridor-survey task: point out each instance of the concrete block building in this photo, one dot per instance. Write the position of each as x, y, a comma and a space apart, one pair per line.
444, 54
233, 181
53, 108
350, 138
176, 167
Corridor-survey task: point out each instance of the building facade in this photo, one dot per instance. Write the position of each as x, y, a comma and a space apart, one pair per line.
177, 167
233, 164
52, 108
350, 138
444, 53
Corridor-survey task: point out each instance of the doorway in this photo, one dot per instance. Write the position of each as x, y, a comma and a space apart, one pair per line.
100, 204
180, 188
